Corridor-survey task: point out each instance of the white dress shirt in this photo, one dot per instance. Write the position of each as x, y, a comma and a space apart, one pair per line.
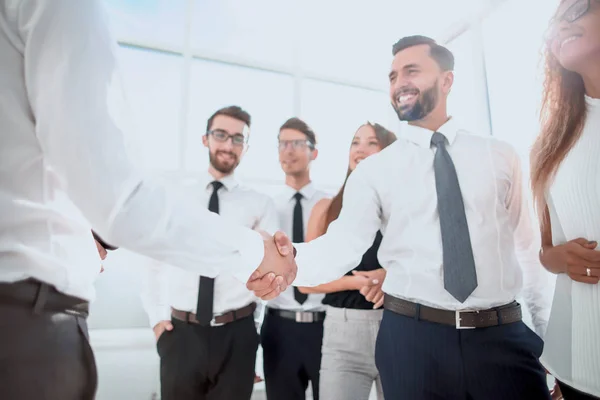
394, 191
164, 286
63, 155
572, 347
285, 203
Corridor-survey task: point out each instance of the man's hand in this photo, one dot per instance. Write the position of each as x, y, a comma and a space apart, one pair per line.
373, 293
277, 270
161, 327
257, 378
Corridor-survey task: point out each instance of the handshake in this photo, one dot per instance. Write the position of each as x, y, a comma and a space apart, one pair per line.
277, 270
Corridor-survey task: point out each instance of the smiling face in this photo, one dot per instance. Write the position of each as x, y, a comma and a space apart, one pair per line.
364, 144
418, 86
575, 34
295, 152
225, 153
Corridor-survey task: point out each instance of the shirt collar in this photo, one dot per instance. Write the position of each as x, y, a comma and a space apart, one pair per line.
229, 182
422, 137
307, 191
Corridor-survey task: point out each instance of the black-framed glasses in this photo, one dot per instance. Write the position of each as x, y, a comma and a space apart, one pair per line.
571, 11
295, 144
237, 139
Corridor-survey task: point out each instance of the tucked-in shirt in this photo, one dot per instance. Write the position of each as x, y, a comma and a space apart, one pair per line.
285, 203
572, 345
394, 191
64, 166
165, 286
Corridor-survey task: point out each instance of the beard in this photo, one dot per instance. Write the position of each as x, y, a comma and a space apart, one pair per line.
423, 106
222, 167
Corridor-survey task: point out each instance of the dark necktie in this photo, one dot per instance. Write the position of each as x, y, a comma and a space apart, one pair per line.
204, 308
298, 237
460, 276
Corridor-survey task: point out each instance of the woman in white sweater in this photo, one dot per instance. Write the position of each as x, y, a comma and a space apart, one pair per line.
565, 177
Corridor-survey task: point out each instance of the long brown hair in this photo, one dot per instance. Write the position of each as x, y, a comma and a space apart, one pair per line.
385, 138
562, 118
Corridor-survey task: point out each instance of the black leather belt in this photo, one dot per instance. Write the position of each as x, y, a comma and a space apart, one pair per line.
298, 316
460, 319
41, 297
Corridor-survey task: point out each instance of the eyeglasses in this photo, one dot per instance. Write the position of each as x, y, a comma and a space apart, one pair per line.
571, 11
237, 139
295, 144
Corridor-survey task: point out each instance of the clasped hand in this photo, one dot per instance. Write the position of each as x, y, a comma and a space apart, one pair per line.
277, 270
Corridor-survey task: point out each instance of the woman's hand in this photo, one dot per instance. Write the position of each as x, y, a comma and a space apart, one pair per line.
373, 293
576, 258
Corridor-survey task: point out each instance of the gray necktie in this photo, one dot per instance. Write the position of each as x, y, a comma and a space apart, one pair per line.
460, 276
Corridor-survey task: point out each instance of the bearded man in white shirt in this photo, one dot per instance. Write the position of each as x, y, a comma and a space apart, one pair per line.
458, 246
205, 331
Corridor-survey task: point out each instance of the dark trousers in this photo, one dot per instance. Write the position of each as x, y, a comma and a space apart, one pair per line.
44, 355
208, 363
570, 393
420, 360
291, 357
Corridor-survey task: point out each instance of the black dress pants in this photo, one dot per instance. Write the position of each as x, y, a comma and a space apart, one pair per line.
291, 357
44, 353
570, 393
208, 363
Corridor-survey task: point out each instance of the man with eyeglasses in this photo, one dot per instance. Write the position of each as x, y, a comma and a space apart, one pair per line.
205, 330
292, 331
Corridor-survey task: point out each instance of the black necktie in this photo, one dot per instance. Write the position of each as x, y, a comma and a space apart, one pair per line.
204, 308
298, 237
460, 276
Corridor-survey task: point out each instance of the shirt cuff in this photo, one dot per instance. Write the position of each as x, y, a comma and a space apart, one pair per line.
304, 276
161, 313
251, 249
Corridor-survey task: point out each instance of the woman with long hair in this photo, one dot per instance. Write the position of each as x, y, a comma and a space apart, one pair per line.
566, 187
354, 302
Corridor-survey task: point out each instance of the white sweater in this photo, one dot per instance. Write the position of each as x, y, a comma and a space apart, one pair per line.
572, 341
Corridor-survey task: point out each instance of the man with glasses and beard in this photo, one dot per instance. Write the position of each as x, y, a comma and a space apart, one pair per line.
458, 247
205, 330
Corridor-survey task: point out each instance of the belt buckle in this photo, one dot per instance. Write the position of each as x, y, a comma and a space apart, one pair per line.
304, 317
458, 319
214, 323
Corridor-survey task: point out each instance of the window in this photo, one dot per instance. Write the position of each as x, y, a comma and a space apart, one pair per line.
152, 83
156, 22
267, 96
354, 42
513, 62
258, 31
335, 112
467, 101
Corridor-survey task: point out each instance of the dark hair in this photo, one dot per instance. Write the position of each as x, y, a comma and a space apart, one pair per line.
440, 54
385, 138
301, 126
230, 111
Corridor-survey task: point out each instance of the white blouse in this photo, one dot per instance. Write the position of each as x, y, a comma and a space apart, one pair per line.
572, 341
